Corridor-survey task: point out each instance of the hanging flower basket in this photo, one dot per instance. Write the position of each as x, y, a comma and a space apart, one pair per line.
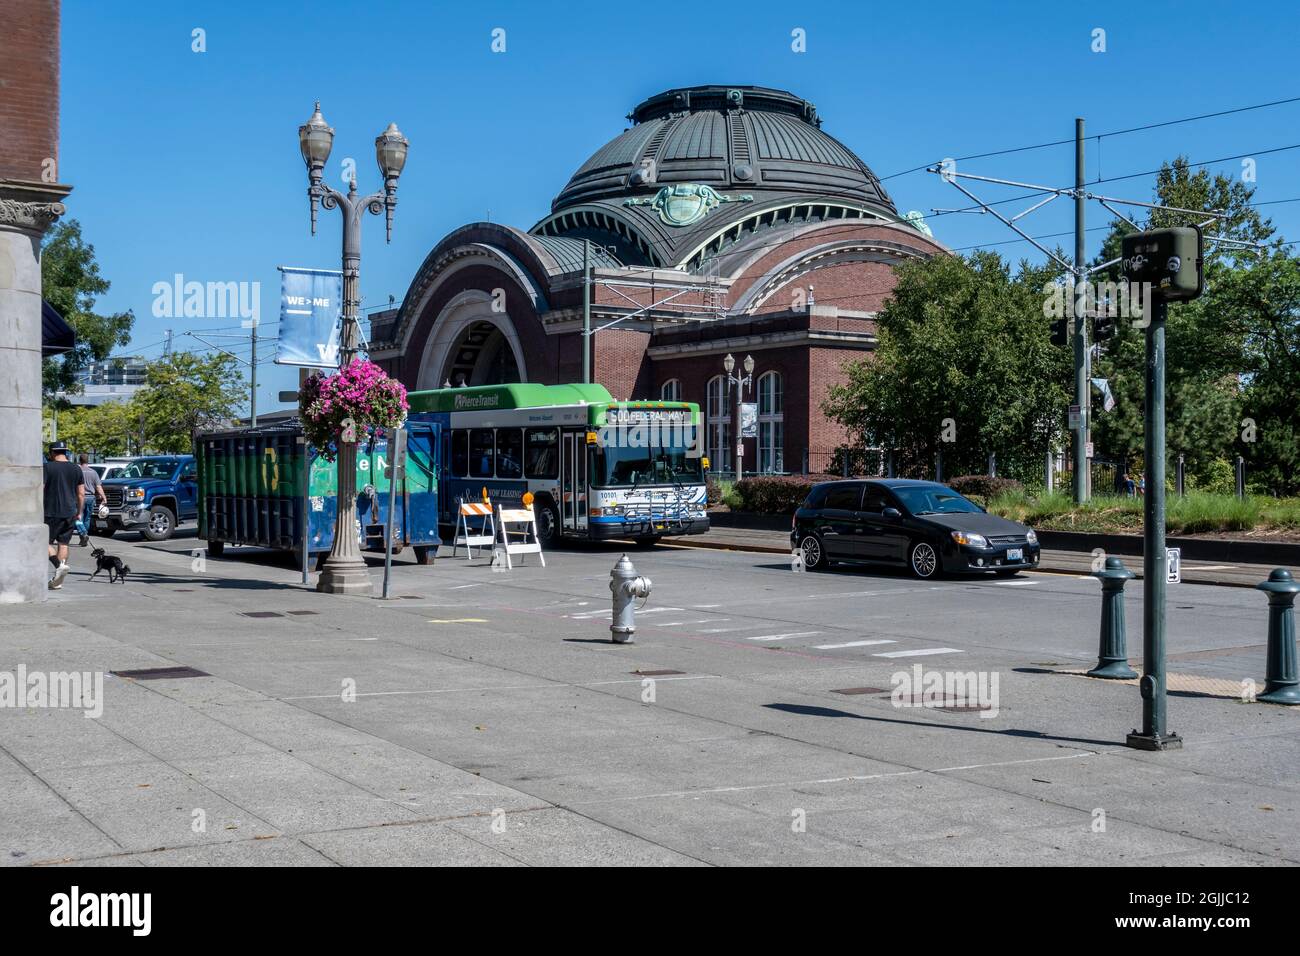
361, 393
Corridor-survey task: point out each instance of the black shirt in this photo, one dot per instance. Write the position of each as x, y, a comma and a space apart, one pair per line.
62, 478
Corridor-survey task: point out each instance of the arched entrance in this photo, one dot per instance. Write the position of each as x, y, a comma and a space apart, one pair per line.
472, 345
480, 356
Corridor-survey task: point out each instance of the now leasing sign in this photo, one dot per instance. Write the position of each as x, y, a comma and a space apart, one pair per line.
310, 306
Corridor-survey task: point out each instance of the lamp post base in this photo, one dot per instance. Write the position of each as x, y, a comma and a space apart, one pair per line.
346, 577
1140, 741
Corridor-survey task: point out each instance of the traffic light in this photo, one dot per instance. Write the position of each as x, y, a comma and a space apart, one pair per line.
1061, 332
1169, 261
1103, 327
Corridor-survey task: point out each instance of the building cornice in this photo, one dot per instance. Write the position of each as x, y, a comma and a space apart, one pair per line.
821, 338
31, 207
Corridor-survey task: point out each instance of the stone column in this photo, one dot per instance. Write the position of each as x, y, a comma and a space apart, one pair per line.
27, 210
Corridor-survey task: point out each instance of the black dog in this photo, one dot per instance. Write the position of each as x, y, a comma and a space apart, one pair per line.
117, 571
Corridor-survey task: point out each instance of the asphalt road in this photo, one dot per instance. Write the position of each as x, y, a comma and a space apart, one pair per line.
485, 717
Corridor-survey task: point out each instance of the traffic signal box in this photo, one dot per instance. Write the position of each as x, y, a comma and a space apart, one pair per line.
1170, 260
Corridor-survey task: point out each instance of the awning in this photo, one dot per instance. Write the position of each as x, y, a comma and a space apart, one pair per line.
57, 336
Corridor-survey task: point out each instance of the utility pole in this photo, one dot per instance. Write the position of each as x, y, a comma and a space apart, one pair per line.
1081, 356
586, 311
252, 372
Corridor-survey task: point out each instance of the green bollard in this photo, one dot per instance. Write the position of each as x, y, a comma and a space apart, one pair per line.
1281, 684
1112, 658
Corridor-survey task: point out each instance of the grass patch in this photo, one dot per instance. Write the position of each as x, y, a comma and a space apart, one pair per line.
1197, 512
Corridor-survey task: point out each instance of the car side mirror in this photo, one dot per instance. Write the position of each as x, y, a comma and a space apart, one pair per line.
892, 513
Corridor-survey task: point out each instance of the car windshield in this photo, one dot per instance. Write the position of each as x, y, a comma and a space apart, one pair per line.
616, 466
934, 499
149, 468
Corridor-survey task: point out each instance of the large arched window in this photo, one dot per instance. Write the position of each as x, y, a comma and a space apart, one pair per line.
718, 421
771, 422
671, 390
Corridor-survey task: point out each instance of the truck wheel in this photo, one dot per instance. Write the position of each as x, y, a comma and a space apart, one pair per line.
103, 532
424, 555
161, 523
216, 549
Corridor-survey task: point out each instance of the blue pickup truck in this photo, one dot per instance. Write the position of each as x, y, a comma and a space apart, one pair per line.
151, 495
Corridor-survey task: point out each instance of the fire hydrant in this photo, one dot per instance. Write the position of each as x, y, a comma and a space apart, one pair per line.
626, 586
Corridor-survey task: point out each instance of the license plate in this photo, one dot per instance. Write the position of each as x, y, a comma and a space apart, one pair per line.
1015, 554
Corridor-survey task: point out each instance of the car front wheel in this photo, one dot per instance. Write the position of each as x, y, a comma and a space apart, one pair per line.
924, 560
161, 523
814, 556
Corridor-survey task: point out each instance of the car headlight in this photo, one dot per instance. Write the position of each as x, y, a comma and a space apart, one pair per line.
135, 494
970, 540
1031, 538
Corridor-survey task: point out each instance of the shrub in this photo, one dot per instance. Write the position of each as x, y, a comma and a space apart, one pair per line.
984, 487
775, 494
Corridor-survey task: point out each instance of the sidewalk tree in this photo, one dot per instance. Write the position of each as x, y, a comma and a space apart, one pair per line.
961, 338
71, 282
184, 392
101, 431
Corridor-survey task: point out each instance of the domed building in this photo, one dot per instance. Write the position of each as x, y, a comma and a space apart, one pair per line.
724, 220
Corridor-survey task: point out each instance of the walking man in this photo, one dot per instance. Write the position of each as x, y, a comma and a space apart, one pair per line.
94, 496
65, 496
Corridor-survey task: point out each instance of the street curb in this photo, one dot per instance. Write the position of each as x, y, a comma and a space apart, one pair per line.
1047, 569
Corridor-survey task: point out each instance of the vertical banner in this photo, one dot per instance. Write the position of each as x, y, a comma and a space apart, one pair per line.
310, 306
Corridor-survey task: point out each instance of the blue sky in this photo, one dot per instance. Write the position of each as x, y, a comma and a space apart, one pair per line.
187, 162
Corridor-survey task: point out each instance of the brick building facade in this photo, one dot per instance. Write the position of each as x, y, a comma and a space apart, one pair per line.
722, 221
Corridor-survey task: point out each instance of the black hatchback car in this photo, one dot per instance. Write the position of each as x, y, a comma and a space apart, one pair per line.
923, 525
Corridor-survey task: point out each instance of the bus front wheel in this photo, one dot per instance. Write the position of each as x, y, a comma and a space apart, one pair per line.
548, 523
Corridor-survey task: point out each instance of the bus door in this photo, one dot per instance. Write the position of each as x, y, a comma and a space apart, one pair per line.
573, 481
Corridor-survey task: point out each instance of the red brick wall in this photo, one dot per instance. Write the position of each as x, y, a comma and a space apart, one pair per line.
29, 88
619, 363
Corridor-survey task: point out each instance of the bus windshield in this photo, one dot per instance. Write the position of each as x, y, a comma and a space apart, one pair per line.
615, 466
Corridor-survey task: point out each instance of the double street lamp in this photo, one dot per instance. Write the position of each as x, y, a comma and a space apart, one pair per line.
729, 365
345, 571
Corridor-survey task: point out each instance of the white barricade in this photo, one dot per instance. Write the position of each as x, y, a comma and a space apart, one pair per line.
484, 535
517, 517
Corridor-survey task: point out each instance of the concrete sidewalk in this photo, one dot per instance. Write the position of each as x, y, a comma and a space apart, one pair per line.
484, 718
1060, 562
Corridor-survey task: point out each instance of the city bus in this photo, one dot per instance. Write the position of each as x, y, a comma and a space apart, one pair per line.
597, 468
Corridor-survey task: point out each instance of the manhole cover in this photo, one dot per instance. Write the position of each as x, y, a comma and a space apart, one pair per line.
160, 673
261, 614
851, 691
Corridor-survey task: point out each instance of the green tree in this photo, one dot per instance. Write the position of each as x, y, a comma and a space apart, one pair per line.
961, 338
101, 431
70, 282
1261, 305
185, 392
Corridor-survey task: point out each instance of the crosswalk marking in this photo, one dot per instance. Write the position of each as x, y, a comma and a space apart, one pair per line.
831, 647
923, 652
782, 637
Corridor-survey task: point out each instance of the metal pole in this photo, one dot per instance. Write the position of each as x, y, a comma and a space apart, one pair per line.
252, 370
306, 507
1155, 734
1081, 396
393, 443
586, 311
345, 570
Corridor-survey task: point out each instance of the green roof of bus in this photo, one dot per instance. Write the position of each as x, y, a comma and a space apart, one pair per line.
519, 395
